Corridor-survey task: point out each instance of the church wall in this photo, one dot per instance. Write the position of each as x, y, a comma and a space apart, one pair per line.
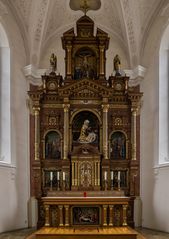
14, 178
154, 179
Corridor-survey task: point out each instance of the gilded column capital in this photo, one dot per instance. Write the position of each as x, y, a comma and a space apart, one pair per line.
102, 48
36, 109
69, 48
105, 108
66, 107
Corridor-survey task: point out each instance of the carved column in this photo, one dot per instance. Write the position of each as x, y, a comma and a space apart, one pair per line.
76, 173
105, 131
60, 215
95, 174
98, 169
102, 63
47, 221
73, 174
66, 215
111, 219
66, 130
134, 133
36, 114
125, 215
69, 60
105, 215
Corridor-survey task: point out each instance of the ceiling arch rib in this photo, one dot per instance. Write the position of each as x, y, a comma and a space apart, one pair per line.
130, 33
40, 23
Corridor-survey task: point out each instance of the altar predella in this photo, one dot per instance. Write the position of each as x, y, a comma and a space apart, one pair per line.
85, 137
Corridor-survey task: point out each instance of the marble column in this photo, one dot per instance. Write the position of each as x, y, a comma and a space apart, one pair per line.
37, 128
73, 174
66, 215
105, 215
102, 64
47, 220
105, 130
125, 215
69, 60
60, 215
66, 130
134, 133
111, 219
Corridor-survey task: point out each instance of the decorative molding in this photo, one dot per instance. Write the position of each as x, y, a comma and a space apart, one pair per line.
33, 74
136, 75
40, 20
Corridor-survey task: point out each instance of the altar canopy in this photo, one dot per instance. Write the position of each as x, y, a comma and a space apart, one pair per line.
84, 144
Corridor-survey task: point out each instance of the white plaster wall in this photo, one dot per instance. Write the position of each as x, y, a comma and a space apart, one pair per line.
14, 180
154, 181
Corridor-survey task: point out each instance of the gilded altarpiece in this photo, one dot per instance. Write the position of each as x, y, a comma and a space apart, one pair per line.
84, 138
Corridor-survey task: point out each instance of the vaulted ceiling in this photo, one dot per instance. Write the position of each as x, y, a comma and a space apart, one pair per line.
127, 20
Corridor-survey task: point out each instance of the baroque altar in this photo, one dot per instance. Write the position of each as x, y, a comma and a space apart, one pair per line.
85, 129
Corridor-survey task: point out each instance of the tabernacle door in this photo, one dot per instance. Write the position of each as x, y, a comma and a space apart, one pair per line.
85, 168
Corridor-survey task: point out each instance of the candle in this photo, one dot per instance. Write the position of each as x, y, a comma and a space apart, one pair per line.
118, 175
51, 176
64, 178
58, 175
105, 175
112, 175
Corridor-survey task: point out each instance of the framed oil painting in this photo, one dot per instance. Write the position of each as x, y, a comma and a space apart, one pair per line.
86, 215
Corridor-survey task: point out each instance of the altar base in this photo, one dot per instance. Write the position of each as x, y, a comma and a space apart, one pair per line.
83, 232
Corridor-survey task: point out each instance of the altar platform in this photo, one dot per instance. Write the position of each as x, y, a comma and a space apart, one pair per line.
90, 233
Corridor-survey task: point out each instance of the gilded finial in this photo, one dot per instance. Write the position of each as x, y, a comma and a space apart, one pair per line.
84, 6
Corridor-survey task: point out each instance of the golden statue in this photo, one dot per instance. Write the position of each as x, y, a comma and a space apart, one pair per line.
53, 62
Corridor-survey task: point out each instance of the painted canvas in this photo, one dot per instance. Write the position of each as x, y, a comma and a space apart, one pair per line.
86, 215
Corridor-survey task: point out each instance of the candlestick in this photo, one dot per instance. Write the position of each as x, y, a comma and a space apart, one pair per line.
58, 175
64, 176
118, 175
105, 175
112, 175
51, 176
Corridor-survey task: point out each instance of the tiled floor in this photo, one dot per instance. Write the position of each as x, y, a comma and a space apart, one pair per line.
21, 234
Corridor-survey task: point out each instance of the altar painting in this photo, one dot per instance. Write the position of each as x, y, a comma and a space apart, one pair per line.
86, 215
85, 128
118, 145
53, 145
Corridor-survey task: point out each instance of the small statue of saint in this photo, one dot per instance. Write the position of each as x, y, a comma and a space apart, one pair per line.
53, 62
117, 65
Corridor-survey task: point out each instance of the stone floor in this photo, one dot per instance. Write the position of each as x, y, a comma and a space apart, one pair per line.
151, 234
21, 234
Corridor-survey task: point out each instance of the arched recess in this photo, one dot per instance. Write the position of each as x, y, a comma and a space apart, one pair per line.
52, 145
118, 145
77, 120
164, 98
5, 121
